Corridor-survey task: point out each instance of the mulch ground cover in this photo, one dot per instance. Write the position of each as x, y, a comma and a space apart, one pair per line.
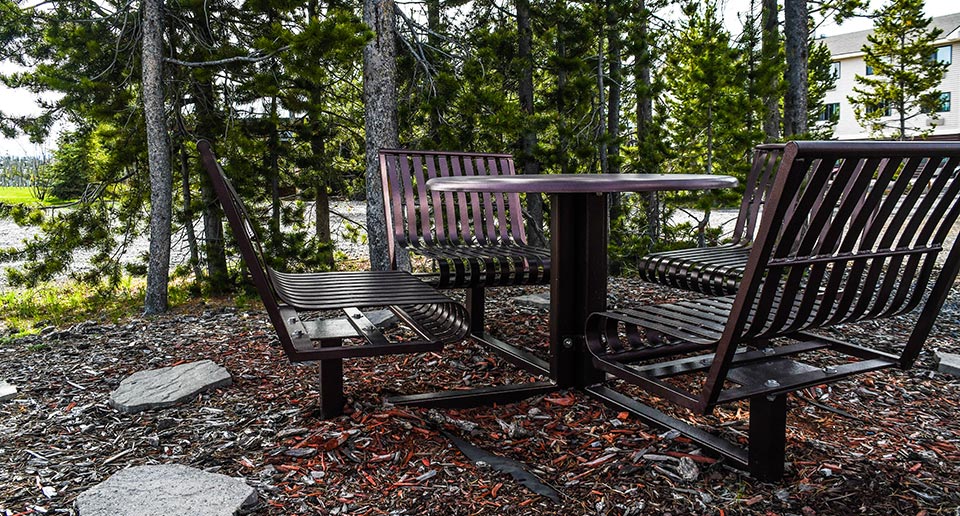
885, 444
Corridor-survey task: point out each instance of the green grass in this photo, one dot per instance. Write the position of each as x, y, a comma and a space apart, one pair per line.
29, 310
24, 195
17, 195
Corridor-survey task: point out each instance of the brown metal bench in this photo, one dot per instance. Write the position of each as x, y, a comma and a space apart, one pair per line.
717, 270
851, 232
431, 318
472, 240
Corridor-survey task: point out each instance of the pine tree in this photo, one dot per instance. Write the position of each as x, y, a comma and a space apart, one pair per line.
706, 103
820, 80
906, 73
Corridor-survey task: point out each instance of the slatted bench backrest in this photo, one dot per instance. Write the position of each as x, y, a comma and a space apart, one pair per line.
418, 217
851, 232
251, 250
763, 168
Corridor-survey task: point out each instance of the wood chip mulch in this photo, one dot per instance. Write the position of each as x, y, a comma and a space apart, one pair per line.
885, 444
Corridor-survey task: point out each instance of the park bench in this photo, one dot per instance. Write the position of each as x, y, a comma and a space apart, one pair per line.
851, 232
298, 304
472, 240
717, 270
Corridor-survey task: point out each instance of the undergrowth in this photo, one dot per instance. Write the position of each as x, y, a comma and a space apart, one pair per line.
26, 311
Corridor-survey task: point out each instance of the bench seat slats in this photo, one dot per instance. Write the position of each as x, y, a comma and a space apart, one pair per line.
332, 291
717, 270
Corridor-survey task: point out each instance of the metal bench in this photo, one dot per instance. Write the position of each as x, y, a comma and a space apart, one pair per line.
431, 318
472, 240
717, 270
851, 233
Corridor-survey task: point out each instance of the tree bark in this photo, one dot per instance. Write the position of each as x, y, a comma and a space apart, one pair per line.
528, 138
380, 117
769, 53
798, 55
186, 216
209, 126
322, 198
158, 154
273, 170
188, 212
615, 60
645, 116
216, 254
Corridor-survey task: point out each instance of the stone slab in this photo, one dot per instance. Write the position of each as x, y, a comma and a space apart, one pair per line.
541, 301
948, 363
167, 386
7, 391
164, 490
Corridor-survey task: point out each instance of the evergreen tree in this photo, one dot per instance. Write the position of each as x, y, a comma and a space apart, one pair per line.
820, 80
706, 103
217, 55
906, 73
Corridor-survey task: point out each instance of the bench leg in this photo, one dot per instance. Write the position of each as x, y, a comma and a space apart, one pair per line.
475, 305
331, 383
768, 436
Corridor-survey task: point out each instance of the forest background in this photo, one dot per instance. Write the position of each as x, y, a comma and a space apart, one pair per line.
291, 94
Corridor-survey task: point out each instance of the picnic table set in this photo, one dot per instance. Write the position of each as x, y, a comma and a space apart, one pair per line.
829, 233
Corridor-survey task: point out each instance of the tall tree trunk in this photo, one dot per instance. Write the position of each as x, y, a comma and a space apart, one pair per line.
601, 106
433, 24
528, 137
213, 241
645, 115
615, 60
322, 198
273, 169
181, 134
188, 212
769, 53
208, 124
380, 117
563, 138
158, 152
318, 136
798, 55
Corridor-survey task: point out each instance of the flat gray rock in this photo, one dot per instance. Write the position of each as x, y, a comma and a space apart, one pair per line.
165, 490
948, 363
535, 300
7, 391
167, 386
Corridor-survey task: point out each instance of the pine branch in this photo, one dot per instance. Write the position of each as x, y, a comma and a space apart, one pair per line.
228, 60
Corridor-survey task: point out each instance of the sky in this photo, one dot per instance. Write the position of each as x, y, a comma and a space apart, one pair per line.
18, 102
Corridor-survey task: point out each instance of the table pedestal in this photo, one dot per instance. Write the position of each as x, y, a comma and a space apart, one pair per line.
578, 283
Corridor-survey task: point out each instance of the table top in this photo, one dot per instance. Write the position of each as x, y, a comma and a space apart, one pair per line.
581, 183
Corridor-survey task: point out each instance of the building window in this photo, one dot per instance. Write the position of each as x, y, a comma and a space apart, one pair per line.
943, 54
829, 113
835, 69
944, 102
885, 107
869, 70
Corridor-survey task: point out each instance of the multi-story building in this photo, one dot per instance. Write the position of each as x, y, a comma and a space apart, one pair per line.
847, 54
